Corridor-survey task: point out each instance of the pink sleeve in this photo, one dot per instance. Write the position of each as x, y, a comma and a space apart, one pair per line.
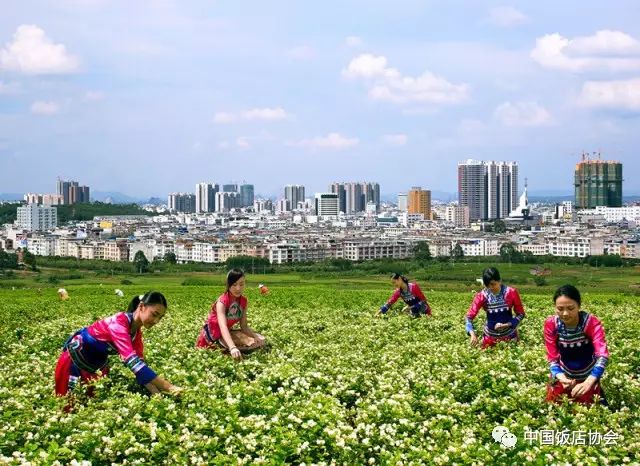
418, 293
394, 297
118, 329
517, 302
595, 331
138, 345
550, 340
478, 303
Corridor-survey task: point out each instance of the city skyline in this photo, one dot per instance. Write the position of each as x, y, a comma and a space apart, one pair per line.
349, 89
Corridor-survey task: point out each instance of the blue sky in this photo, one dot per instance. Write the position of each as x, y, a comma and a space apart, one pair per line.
150, 97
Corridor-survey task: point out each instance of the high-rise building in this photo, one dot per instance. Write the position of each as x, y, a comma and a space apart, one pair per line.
246, 195
403, 202
263, 205
338, 189
419, 202
598, 183
489, 189
294, 193
230, 188
182, 202
353, 197
206, 197
225, 201
283, 205
33, 217
72, 193
371, 192
43, 199
327, 204
457, 215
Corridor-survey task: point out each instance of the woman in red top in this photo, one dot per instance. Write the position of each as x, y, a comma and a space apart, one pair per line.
410, 293
228, 310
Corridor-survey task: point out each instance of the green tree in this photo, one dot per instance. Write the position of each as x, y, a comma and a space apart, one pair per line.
499, 226
421, 251
8, 261
170, 257
141, 262
457, 253
509, 253
29, 259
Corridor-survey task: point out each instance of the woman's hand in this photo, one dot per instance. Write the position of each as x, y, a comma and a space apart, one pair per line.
474, 339
174, 390
565, 381
500, 325
582, 388
235, 353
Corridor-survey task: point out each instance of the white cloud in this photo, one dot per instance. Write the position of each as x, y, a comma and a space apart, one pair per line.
330, 141
44, 108
94, 96
32, 52
605, 50
506, 16
395, 139
611, 94
522, 114
354, 41
253, 114
388, 84
302, 52
240, 143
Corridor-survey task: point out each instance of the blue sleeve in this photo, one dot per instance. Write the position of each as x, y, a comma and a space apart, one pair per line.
555, 369
384, 309
468, 325
598, 369
143, 373
515, 321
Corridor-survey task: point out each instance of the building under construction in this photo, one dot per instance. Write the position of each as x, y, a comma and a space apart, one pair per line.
598, 183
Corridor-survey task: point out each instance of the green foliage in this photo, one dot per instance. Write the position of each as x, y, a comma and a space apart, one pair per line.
141, 262
170, 258
421, 251
248, 263
509, 253
499, 226
191, 281
9, 212
338, 385
29, 259
540, 281
8, 261
87, 211
611, 260
457, 252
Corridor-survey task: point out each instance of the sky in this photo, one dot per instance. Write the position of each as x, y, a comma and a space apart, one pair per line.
154, 96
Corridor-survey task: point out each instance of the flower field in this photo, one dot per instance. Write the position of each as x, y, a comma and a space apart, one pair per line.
337, 387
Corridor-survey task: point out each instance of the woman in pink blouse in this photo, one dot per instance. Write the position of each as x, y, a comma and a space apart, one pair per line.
228, 310
576, 349
86, 352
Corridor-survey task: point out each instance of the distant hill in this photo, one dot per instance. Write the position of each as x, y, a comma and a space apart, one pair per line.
115, 197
